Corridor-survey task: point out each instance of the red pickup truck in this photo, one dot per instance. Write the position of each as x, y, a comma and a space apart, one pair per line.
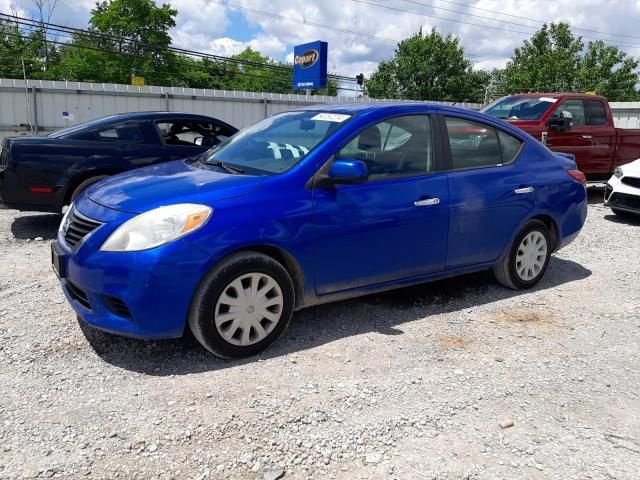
572, 123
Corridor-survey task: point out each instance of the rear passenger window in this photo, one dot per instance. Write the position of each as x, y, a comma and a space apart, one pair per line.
126, 132
509, 146
475, 145
397, 147
595, 112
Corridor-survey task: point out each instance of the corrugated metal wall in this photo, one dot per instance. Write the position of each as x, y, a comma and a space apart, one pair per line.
626, 114
50, 105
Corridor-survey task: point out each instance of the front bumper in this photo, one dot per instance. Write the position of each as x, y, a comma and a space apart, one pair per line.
620, 196
138, 294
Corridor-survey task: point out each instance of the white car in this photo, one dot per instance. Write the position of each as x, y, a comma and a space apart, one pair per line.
622, 193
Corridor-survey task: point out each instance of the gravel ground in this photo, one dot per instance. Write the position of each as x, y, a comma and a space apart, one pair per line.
412, 384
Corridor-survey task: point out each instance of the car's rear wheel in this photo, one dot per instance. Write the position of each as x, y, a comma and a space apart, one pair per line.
528, 258
242, 305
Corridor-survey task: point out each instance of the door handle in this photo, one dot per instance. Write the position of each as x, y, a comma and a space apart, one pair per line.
587, 137
426, 202
522, 190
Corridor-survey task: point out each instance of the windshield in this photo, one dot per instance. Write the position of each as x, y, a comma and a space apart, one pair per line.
519, 108
277, 143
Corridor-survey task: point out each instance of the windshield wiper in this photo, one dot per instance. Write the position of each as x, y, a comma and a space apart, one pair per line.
224, 166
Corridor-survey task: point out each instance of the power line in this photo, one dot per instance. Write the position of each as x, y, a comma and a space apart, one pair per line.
391, 40
328, 27
153, 70
516, 16
93, 34
464, 22
278, 81
461, 92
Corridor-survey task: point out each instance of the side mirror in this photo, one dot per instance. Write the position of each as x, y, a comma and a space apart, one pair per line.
344, 172
561, 123
348, 172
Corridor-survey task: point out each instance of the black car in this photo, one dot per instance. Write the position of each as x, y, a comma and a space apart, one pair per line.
45, 173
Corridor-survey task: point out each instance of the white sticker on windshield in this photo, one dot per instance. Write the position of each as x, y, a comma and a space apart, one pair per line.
548, 99
331, 117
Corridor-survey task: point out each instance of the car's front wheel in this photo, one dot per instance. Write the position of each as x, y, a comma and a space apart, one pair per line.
242, 305
528, 258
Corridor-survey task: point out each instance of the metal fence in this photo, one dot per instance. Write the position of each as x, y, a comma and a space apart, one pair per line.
44, 106
49, 105
626, 114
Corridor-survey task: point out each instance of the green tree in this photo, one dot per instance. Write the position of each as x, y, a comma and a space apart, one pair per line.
12, 50
256, 78
554, 60
126, 38
609, 71
428, 67
131, 37
17, 46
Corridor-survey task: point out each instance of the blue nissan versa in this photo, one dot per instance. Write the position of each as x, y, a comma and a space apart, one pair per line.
309, 206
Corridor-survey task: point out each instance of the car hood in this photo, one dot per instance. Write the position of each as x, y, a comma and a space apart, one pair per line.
147, 188
632, 169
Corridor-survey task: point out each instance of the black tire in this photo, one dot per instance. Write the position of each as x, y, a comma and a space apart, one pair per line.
213, 285
86, 184
506, 269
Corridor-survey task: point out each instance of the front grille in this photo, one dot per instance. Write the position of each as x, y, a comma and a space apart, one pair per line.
631, 181
77, 227
624, 200
78, 294
117, 306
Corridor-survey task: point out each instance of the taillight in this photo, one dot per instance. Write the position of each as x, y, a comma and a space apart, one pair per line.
578, 176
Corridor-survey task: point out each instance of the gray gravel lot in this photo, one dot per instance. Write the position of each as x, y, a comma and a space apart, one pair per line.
411, 384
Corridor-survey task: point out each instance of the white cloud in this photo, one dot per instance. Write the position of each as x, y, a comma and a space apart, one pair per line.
198, 22
226, 46
12, 7
267, 45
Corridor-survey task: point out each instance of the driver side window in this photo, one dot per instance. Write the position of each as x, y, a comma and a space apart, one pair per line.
576, 110
397, 147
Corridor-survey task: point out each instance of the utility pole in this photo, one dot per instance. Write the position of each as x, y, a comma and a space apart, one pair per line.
26, 95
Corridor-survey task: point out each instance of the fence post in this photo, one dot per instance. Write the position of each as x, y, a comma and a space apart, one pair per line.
35, 109
166, 99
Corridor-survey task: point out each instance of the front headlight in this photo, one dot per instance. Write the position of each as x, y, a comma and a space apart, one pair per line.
65, 218
157, 227
618, 173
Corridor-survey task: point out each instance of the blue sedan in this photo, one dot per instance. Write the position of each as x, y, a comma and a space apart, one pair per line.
311, 206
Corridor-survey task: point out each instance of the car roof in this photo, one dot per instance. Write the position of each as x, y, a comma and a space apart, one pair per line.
359, 108
556, 95
154, 115
132, 116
